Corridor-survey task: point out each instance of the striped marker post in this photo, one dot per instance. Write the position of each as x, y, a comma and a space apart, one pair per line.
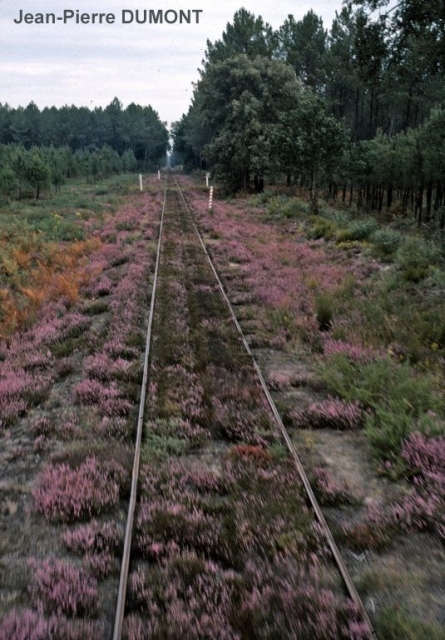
210, 198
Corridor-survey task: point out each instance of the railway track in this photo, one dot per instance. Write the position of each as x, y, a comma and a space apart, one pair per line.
189, 377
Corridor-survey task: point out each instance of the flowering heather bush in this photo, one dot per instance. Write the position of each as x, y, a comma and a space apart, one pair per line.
39, 444
60, 588
277, 380
98, 543
332, 413
416, 512
268, 514
160, 521
116, 347
74, 324
26, 624
192, 433
421, 509
101, 287
206, 482
331, 492
174, 509
11, 402
35, 360
179, 393
19, 389
238, 252
183, 597
425, 457
103, 368
42, 426
137, 628
109, 399
127, 296
69, 494
354, 352
282, 603
117, 428
93, 537
234, 423
381, 524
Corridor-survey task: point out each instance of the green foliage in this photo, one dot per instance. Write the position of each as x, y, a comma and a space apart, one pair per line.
303, 45
386, 241
379, 383
242, 101
358, 230
279, 207
262, 198
257, 124
324, 309
398, 624
247, 34
415, 256
387, 428
321, 228
397, 401
53, 226
8, 181
132, 137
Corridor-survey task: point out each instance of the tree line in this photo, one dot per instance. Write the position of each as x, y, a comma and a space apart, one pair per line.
134, 128
29, 172
40, 149
355, 110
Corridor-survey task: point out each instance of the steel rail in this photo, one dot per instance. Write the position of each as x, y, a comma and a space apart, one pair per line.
120, 604
352, 591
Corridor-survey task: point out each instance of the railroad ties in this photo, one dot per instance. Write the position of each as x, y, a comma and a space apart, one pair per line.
224, 535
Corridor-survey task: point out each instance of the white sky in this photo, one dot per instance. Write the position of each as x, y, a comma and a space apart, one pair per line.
90, 64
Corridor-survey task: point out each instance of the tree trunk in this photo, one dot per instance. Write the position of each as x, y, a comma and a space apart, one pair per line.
418, 212
429, 201
389, 197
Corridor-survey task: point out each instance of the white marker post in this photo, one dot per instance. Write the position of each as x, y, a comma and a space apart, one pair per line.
140, 181
207, 179
159, 174
210, 198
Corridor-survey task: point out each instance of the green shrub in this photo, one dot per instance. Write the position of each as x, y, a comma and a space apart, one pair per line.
321, 228
54, 227
386, 241
358, 230
397, 624
386, 431
340, 218
261, 198
438, 277
387, 428
280, 207
429, 326
379, 383
415, 256
396, 400
324, 310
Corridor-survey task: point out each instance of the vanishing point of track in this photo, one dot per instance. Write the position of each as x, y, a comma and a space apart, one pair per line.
174, 202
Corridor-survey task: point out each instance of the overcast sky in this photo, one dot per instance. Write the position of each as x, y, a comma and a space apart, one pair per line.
90, 64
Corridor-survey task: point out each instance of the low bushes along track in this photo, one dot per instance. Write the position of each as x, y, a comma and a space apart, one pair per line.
221, 539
